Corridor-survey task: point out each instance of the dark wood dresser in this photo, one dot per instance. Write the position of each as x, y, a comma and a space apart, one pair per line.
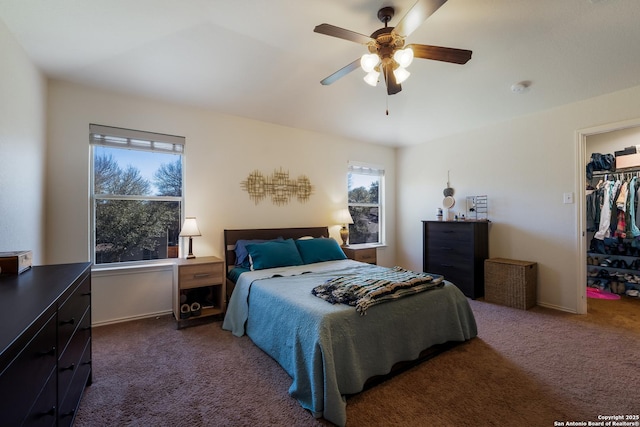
45, 344
457, 250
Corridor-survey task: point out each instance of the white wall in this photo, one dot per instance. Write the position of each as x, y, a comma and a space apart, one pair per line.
128, 294
524, 166
22, 150
221, 151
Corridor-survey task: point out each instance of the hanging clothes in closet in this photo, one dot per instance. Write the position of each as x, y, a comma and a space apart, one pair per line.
612, 206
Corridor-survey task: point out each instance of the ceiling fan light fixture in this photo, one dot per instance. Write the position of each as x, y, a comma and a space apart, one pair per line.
372, 78
369, 61
404, 57
401, 74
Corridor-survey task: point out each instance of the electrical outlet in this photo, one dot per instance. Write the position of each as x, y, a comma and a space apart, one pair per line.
567, 198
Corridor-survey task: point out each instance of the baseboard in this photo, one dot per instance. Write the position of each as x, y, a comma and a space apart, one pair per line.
130, 318
557, 307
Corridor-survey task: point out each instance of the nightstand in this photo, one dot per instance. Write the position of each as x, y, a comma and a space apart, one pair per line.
368, 255
198, 282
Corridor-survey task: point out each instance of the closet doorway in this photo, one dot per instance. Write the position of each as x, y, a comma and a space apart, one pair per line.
609, 268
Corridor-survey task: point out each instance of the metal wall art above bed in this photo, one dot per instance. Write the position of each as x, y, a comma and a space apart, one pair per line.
278, 186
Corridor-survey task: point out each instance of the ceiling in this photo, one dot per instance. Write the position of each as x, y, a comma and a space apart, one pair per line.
261, 59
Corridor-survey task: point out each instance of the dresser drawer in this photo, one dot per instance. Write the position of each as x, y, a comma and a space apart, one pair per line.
44, 411
448, 232
71, 400
28, 372
460, 251
197, 275
443, 260
69, 360
457, 274
368, 255
71, 311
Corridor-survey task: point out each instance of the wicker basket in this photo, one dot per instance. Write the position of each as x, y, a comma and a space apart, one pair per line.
510, 282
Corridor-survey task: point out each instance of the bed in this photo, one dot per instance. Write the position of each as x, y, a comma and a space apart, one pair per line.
331, 350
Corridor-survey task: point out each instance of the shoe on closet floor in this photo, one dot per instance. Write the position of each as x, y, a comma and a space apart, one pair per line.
617, 287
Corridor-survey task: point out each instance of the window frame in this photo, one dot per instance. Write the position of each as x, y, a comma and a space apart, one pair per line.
368, 169
129, 139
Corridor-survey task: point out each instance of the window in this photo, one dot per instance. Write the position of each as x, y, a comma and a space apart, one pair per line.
137, 194
365, 202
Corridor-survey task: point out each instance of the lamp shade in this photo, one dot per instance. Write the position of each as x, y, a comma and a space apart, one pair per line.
401, 74
369, 61
344, 217
372, 78
404, 57
190, 227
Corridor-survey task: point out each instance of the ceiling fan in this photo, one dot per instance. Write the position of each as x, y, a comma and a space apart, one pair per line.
388, 55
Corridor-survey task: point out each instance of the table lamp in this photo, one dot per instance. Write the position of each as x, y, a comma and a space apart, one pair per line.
190, 229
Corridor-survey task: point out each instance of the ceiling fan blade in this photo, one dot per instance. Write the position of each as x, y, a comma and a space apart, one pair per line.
392, 86
341, 72
418, 13
341, 33
445, 54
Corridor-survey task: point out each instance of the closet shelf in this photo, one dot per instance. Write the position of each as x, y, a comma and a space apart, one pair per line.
617, 171
612, 256
596, 268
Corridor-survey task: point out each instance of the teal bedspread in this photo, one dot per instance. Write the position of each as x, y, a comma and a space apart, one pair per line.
331, 350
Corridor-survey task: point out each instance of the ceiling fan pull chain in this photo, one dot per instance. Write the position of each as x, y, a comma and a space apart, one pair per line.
386, 98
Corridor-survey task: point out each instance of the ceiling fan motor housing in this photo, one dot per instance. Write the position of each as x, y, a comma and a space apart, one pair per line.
386, 43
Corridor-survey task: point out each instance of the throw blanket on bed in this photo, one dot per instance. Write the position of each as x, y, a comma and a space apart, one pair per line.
366, 290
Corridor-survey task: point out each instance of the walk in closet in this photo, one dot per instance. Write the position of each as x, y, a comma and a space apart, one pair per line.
613, 215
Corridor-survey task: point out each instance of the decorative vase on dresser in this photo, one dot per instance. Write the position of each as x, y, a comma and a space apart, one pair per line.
457, 250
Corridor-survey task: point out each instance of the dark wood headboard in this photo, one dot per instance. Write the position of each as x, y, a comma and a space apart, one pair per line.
232, 236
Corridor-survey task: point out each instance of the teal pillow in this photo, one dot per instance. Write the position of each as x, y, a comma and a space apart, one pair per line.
319, 250
242, 256
276, 253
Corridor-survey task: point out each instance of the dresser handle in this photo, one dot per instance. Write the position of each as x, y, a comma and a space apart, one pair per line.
68, 368
49, 413
201, 275
445, 248
86, 294
68, 322
48, 352
448, 265
68, 414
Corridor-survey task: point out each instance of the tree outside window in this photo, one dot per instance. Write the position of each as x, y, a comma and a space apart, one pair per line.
364, 202
137, 202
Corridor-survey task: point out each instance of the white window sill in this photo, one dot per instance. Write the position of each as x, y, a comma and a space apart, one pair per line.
366, 245
103, 270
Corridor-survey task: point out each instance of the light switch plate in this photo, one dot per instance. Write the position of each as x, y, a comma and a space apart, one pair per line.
567, 198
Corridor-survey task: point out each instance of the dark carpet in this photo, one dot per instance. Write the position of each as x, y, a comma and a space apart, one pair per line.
525, 368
